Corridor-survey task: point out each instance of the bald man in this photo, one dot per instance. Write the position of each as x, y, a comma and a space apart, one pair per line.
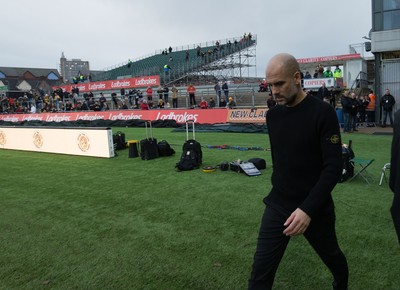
307, 163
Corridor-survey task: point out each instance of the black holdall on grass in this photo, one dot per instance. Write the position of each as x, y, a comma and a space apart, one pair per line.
259, 163
148, 146
119, 140
164, 149
192, 155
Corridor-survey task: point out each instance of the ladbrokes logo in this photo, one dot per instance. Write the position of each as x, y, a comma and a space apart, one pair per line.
37, 139
83, 142
3, 138
179, 118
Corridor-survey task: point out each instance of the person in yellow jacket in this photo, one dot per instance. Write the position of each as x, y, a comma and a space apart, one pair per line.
337, 73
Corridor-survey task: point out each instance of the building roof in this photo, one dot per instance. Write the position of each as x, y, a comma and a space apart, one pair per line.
20, 71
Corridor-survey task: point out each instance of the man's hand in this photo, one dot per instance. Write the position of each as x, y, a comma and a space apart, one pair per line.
297, 223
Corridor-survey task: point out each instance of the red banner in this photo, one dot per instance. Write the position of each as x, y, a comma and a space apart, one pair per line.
209, 116
140, 82
329, 58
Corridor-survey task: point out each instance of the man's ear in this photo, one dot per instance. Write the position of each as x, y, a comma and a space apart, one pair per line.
297, 77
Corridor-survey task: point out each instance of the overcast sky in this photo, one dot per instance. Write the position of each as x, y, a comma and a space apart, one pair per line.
109, 32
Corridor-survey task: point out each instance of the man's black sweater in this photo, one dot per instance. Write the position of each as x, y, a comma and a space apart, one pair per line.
306, 156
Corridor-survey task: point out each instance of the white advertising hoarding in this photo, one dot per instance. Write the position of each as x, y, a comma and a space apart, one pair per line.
74, 141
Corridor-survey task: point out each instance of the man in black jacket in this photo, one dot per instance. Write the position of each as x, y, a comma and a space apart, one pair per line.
394, 180
300, 201
387, 103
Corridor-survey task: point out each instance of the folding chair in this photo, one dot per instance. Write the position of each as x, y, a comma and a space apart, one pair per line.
383, 174
360, 168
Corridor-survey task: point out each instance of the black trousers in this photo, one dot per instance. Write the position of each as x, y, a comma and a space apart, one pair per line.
272, 244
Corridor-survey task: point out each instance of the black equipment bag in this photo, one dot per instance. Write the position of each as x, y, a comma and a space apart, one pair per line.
148, 146
259, 163
348, 165
164, 149
119, 140
192, 155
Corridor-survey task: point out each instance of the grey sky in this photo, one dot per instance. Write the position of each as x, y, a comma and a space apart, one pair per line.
105, 32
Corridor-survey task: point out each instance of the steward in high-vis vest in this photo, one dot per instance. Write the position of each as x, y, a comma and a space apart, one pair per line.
337, 73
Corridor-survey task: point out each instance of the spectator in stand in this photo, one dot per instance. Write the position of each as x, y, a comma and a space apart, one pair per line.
68, 106
262, 86
328, 73
166, 93
217, 89
192, 90
56, 101
320, 71
33, 109
160, 92
203, 104
270, 101
114, 100
149, 93
387, 103
337, 73
231, 103
371, 109
211, 103
102, 101
323, 92
225, 89
161, 103
144, 105
222, 103
307, 75
174, 91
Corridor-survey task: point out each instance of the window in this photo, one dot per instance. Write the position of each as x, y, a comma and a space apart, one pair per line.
391, 20
2, 76
391, 4
52, 76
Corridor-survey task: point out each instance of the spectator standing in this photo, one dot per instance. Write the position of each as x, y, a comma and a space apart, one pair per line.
353, 112
346, 108
225, 89
166, 93
192, 99
149, 93
174, 91
387, 103
332, 97
323, 92
371, 109
114, 100
328, 73
102, 101
160, 92
363, 102
217, 89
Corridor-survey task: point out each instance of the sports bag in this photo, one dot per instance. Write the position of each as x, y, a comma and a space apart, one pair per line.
164, 149
192, 155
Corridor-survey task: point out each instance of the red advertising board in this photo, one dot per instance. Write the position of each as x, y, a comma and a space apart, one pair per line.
140, 82
329, 58
210, 116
